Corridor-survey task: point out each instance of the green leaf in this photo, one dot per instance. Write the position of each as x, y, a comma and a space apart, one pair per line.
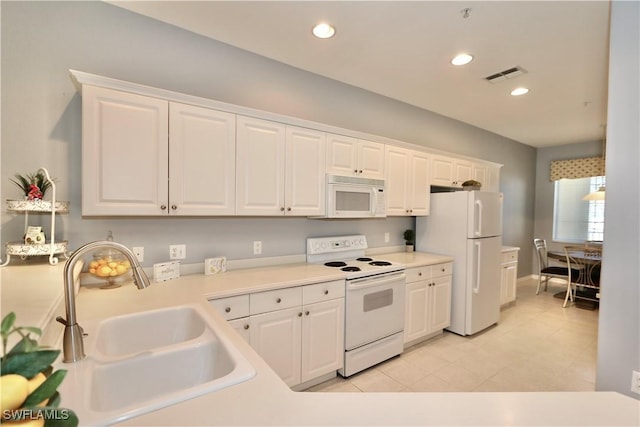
7, 323
54, 400
28, 364
46, 389
26, 344
31, 329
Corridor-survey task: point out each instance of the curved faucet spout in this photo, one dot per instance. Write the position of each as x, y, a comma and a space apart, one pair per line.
73, 344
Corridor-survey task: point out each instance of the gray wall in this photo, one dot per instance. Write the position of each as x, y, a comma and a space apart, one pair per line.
619, 320
42, 123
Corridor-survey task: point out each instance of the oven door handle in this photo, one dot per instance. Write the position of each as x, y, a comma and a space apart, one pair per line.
367, 282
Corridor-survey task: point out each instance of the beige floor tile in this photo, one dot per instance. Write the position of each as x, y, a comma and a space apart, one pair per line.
536, 346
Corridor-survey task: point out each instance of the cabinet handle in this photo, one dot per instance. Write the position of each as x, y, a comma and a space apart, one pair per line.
163, 207
306, 313
289, 209
246, 327
360, 171
227, 310
355, 171
282, 209
326, 292
174, 207
300, 314
442, 270
420, 274
279, 300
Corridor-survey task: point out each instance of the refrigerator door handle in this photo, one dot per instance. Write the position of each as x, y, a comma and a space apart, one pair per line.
478, 231
476, 288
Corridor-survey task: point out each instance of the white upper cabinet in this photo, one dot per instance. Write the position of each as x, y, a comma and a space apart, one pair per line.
407, 181
124, 153
449, 171
279, 169
349, 156
147, 156
201, 161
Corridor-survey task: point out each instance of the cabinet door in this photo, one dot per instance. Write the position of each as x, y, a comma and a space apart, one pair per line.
124, 153
304, 176
397, 180
463, 171
416, 309
481, 174
201, 161
439, 303
322, 338
260, 146
242, 327
508, 283
276, 338
370, 159
442, 172
341, 155
420, 186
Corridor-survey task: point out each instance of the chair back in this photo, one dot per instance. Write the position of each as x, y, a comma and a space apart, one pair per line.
583, 271
541, 250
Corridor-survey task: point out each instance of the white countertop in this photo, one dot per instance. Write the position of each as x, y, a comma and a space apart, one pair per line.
266, 400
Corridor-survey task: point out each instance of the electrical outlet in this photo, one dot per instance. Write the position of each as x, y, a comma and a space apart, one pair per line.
177, 252
138, 251
635, 382
257, 247
386, 237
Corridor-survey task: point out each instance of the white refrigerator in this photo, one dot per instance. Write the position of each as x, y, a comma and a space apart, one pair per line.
467, 225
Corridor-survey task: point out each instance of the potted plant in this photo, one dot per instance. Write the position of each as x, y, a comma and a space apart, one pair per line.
409, 238
33, 185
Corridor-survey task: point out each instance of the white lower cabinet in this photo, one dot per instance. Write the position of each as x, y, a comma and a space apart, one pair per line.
298, 331
508, 275
427, 302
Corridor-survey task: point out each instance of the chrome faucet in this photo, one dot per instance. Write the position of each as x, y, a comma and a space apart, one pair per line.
73, 344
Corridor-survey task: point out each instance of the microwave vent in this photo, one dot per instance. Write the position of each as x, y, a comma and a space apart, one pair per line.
509, 73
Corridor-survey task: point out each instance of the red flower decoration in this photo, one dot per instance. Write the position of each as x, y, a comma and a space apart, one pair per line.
34, 192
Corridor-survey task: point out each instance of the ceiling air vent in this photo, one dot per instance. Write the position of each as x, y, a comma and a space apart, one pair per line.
506, 74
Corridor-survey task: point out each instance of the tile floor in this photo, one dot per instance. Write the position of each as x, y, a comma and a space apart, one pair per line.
537, 346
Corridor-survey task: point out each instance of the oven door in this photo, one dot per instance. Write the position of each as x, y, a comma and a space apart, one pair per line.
374, 308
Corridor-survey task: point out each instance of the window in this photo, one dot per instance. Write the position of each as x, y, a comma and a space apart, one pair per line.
574, 219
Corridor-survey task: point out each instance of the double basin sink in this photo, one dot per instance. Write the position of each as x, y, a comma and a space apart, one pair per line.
141, 362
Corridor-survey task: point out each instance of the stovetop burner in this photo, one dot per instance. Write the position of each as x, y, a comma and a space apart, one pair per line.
364, 259
379, 263
350, 268
335, 264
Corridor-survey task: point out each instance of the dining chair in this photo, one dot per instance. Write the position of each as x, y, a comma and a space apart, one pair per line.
546, 272
584, 270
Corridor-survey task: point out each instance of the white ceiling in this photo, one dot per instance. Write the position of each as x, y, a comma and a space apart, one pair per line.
402, 49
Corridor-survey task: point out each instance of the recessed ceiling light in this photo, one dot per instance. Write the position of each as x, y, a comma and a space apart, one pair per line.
323, 31
519, 91
462, 59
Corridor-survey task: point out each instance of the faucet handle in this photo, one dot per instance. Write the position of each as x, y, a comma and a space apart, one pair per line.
62, 320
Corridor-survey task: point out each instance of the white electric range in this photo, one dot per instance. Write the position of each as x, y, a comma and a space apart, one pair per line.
374, 300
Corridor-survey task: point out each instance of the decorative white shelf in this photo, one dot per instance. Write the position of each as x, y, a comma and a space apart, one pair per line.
51, 248
36, 206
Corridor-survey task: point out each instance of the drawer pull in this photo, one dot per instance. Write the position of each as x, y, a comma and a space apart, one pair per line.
326, 292
443, 270
227, 310
420, 274
300, 314
306, 312
279, 300
246, 327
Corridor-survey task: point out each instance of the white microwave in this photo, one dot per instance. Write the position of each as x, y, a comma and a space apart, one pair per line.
352, 197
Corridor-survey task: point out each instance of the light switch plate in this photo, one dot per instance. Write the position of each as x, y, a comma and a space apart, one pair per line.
166, 271
215, 265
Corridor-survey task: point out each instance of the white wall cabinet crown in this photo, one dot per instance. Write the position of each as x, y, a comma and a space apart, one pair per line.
407, 178
278, 169
147, 156
349, 156
427, 302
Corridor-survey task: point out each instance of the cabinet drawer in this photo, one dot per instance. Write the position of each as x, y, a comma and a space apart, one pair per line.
232, 307
510, 256
440, 270
322, 291
418, 273
263, 302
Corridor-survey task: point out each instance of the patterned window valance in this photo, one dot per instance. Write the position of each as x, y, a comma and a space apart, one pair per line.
577, 168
